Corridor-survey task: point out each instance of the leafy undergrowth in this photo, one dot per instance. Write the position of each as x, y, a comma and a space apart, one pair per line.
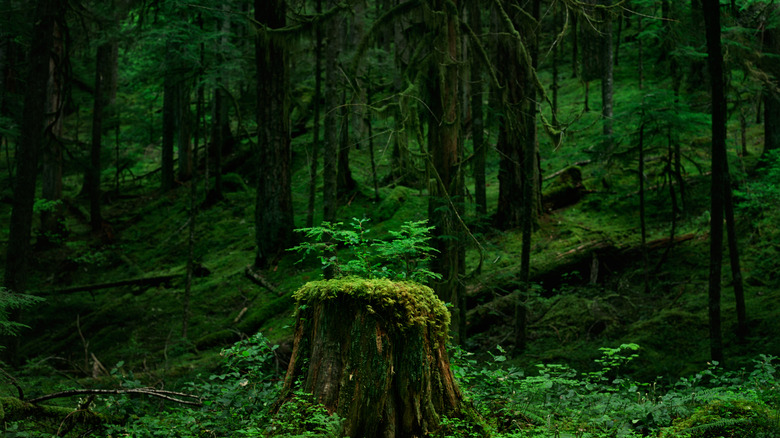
554, 400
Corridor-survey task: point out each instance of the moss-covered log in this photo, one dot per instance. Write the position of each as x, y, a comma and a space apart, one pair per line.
373, 351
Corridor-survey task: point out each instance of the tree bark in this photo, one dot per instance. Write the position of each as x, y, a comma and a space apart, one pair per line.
52, 227
477, 114
384, 368
104, 96
315, 147
332, 123
607, 69
711, 12
273, 210
511, 142
530, 188
30, 146
168, 120
446, 187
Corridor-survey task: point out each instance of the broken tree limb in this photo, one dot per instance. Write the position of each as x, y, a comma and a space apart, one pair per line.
160, 393
259, 280
147, 281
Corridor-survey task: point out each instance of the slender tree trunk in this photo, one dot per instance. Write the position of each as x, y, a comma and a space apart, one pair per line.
29, 146
168, 120
736, 271
369, 98
332, 122
607, 93
103, 72
642, 221
183, 116
221, 135
477, 115
273, 210
530, 189
315, 147
52, 228
446, 182
574, 47
710, 9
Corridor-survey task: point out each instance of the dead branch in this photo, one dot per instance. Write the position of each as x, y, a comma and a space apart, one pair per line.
160, 393
148, 281
258, 279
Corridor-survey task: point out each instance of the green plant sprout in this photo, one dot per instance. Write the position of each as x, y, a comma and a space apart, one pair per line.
346, 251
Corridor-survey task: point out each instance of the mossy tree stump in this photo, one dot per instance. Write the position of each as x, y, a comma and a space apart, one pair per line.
373, 351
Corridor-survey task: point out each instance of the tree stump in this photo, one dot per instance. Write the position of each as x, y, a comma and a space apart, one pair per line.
374, 352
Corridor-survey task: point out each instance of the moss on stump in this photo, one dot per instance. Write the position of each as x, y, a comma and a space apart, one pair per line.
374, 352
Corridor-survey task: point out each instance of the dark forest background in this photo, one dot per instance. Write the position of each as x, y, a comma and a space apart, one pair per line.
596, 173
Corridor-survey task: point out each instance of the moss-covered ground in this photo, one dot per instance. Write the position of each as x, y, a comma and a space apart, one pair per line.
660, 305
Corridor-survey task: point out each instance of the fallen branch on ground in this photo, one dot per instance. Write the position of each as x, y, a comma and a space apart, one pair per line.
160, 393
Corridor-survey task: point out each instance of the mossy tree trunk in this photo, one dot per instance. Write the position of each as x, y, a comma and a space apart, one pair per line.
373, 352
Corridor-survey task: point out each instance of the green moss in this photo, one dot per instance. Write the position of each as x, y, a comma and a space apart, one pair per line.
729, 418
392, 203
410, 304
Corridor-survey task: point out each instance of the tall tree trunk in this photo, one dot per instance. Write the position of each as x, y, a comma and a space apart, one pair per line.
736, 271
607, 69
52, 227
100, 113
345, 184
711, 12
511, 145
221, 136
574, 46
332, 123
477, 114
446, 186
273, 210
315, 147
183, 121
30, 145
168, 120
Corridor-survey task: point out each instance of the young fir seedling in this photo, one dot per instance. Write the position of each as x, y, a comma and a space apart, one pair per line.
347, 251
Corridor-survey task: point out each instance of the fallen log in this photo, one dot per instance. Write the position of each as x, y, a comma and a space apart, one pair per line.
259, 280
147, 281
177, 397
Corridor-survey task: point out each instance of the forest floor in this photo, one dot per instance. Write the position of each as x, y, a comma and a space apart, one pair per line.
593, 286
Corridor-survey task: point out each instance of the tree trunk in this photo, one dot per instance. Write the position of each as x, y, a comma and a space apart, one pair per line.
332, 123
446, 187
530, 188
736, 271
221, 136
30, 145
477, 115
374, 352
710, 9
607, 68
315, 147
273, 210
574, 46
168, 120
105, 92
183, 122
52, 227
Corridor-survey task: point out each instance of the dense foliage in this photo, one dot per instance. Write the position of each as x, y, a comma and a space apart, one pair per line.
546, 167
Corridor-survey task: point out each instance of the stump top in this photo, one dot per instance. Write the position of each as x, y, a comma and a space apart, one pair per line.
410, 304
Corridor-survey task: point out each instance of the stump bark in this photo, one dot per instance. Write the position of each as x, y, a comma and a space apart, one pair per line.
374, 352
